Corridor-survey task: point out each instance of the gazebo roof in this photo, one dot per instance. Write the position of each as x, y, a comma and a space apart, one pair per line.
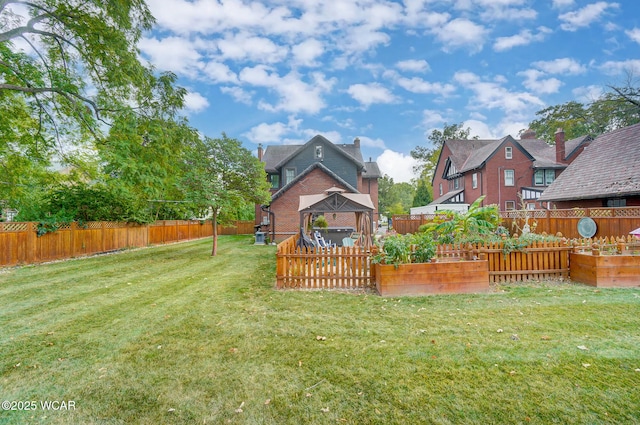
335, 199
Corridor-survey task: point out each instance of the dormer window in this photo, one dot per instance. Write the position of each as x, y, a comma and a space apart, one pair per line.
319, 153
508, 152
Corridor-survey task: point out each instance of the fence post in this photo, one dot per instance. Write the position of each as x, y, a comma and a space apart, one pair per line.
32, 238
72, 237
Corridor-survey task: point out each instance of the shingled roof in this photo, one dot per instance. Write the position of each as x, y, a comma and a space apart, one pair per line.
472, 154
608, 167
277, 155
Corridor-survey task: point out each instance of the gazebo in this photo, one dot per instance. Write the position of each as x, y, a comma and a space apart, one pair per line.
336, 200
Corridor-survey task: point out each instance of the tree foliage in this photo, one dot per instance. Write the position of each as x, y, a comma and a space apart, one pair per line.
615, 109
424, 193
220, 175
394, 198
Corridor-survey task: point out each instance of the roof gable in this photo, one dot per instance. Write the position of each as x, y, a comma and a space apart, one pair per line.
316, 165
275, 157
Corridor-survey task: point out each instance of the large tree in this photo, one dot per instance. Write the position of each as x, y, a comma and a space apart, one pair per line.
619, 107
220, 175
74, 62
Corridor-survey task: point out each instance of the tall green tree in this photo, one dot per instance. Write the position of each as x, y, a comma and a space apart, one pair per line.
69, 69
220, 175
424, 192
620, 107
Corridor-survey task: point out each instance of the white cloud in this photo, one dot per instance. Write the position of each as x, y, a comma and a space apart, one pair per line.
195, 102
413, 65
631, 66
294, 95
432, 117
491, 95
307, 52
246, 47
397, 165
172, 54
371, 143
535, 81
238, 94
572, 21
480, 129
587, 94
561, 66
561, 4
368, 94
418, 85
273, 133
461, 32
634, 34
523, 38
217, 72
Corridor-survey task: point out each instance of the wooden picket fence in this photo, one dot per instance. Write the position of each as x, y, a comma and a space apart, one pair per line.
351, 268
19, 243
344, 268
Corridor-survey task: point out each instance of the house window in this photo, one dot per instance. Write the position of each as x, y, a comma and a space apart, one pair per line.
509, 205
531, 206
275, 181
509, 178
508, 152
549, 176
289, 175
474, 180
544, 177
319, 154
611, 203
440, 189
456, 184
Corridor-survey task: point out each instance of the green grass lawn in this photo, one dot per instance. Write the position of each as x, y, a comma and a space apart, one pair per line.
171, 335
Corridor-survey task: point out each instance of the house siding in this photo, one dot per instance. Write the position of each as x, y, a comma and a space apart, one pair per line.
332, 159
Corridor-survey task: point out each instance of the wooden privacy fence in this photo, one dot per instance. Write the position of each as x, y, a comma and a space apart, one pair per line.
609, 221
350, 268
323, 268
19, 243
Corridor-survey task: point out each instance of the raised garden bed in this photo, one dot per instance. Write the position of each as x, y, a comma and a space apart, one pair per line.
448, 277
621, 270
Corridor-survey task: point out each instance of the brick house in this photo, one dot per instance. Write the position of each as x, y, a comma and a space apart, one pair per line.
506, 171
309, 169
607, 174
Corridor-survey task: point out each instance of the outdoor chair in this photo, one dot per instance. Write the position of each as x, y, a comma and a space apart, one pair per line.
320, 242
348, 242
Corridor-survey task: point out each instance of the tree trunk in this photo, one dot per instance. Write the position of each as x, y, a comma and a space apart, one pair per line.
214, 220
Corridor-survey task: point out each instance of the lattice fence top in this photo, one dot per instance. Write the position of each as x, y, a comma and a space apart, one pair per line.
15, 227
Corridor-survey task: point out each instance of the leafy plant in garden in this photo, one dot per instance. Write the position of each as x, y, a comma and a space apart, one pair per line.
404, 249
451, 226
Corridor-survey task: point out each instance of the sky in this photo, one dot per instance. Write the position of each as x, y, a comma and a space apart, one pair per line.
387, 71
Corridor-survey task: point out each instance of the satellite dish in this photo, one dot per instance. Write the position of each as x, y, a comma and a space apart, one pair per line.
587, 227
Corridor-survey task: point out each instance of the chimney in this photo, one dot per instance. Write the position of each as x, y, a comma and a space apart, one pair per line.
560, 149
260, 151
356, 142
528, 134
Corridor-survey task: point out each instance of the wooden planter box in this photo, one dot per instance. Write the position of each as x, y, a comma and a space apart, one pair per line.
605, 270
449, 277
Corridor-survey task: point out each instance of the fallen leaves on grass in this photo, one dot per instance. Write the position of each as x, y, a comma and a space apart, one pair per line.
239, 409
582, 347
321, 338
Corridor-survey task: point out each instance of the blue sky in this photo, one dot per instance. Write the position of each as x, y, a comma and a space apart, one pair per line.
388, 72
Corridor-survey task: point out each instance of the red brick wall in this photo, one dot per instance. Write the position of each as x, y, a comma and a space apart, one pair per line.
286, 206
